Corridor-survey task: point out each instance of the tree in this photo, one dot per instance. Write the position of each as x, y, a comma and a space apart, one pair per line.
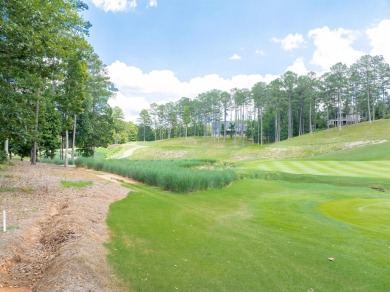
96, 123
226, 101
145, 121
276, 99
73, 93
36, 38
338, 82
289, 80
368, 80
260, 94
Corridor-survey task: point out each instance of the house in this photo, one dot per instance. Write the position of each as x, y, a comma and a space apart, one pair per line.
217, 127
346, 119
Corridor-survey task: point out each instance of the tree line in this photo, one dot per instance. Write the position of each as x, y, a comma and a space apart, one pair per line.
54, 89
288, 106
54, 92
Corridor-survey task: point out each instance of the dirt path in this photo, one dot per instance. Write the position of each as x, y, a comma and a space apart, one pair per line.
55, 237
130, 152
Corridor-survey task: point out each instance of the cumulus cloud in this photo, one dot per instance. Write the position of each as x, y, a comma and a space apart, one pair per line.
380, 44
298, 67
116, 5
137, 90
291, 41
235, 57
152, 3
333, 46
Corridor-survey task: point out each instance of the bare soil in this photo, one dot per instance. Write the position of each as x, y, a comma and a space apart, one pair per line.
55, 236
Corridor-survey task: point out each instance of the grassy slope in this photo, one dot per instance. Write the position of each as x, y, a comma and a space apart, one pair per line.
305, 146
273, 233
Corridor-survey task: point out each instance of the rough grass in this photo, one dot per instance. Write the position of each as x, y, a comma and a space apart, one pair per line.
76, 184
305, 146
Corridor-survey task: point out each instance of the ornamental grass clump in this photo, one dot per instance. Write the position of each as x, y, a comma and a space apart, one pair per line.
181, 176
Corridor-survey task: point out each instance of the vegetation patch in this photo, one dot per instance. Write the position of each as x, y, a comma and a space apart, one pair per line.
56, 161
23, 189
76, 184
172, 175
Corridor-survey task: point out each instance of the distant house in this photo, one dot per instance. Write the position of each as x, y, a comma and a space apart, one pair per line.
346, 119
217, 127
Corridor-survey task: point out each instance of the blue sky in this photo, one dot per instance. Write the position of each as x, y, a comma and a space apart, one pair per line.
161, 50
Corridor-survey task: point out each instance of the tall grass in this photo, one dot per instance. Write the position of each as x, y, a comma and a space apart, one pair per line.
56, 161
174, 175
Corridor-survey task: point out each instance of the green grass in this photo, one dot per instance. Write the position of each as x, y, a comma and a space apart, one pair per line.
256, 235
56, 161
298, 203
378, 169
76, 184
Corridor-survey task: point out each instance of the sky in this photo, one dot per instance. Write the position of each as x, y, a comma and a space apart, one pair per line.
158, 51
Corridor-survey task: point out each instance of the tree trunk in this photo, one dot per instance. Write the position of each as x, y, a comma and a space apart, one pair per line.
258, 125
62, 148
74, 137
289, 130
310, 122
276, 126
339, 100
383, 103
224, 127
35, 146
66, 147
6, 148
368, 106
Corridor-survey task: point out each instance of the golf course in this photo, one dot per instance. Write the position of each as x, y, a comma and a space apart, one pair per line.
311, 213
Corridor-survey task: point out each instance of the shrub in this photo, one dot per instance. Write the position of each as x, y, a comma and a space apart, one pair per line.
3, 156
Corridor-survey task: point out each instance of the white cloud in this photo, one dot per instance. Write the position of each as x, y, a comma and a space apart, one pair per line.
260, 52
292, 41
379, 40
130, 105
333, 46
152, 3
235, 57
137, 90
298, 67
115, 5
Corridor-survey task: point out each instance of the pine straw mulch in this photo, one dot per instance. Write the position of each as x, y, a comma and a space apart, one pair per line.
55, 237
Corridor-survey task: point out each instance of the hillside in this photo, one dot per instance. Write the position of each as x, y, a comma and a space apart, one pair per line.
305, 146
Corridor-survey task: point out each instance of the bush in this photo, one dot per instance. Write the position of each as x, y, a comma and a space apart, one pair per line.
3, 156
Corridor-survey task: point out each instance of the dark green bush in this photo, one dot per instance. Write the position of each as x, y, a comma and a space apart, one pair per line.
3, 156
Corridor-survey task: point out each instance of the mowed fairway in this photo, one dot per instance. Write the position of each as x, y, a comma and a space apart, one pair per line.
256, 235
380, 169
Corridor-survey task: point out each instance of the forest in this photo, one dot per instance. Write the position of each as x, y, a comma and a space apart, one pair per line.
54, 93
289, 106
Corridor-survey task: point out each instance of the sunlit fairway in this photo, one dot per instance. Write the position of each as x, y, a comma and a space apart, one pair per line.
272, 230
332, 168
